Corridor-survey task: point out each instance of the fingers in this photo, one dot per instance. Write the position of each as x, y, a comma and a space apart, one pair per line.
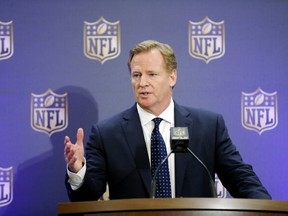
67, 147
80, 136
66, 140
74, 153
70, 155
67, 151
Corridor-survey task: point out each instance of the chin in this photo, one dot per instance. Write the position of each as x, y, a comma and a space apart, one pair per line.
144, 105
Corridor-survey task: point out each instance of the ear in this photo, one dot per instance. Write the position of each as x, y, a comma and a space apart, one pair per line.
173, 78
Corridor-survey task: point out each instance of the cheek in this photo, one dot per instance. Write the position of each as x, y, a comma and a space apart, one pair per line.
134, 86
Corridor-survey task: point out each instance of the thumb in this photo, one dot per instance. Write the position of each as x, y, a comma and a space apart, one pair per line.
80, 136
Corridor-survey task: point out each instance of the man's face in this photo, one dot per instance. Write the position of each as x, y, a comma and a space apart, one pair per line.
152, 83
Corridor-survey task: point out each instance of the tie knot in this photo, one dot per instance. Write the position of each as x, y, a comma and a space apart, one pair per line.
157, 121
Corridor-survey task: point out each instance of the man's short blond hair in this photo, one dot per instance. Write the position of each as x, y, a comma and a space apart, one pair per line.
166, 51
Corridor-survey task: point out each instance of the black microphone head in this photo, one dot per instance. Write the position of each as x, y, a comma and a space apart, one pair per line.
179, 139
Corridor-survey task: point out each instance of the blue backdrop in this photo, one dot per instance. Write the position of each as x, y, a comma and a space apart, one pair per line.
63, 65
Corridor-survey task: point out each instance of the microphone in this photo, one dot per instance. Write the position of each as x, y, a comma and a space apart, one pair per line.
179, 139
179, 143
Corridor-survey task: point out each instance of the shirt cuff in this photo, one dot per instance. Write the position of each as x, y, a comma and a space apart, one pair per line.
76, 179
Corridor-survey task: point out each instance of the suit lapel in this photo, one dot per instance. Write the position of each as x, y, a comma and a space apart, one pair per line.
133, 133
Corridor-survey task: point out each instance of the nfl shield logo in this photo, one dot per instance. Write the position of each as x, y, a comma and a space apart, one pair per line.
6, 186
221, 190
102, 40
259, 110
179, 131
6, 40
49, 112
206, 39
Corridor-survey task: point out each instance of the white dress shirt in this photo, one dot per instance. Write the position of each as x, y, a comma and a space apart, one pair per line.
164, 128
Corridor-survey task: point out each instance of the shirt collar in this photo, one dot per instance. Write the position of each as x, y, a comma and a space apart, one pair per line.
167, 114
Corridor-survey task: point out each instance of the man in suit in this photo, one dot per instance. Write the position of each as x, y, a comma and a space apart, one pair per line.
118, 151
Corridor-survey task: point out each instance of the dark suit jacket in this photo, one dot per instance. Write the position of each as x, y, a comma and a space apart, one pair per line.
116, 153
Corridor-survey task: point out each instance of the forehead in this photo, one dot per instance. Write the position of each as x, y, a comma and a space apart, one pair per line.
148, 59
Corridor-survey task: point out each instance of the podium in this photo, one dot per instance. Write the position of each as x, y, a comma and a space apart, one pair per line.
175, 207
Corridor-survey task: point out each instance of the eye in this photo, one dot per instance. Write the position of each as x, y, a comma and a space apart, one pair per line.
153, 75
135, 75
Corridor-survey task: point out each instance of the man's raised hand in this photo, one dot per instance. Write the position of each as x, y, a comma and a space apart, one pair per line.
74, 153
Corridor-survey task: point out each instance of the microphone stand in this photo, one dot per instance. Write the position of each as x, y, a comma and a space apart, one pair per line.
212, 187
182, 148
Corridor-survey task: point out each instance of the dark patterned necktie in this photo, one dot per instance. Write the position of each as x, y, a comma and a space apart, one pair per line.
158, 153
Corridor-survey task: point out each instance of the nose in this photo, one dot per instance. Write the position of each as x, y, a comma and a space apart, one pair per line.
143, 80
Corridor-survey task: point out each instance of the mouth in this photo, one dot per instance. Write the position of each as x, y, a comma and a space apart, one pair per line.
144, 94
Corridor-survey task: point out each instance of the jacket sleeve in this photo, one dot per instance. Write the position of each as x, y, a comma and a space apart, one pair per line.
236, 176
94, 184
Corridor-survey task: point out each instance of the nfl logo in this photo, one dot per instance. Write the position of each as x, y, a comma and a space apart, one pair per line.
101, 40
206, 39
179, 131
259, 110
6, 186
6, 40
49, 112
221, 190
